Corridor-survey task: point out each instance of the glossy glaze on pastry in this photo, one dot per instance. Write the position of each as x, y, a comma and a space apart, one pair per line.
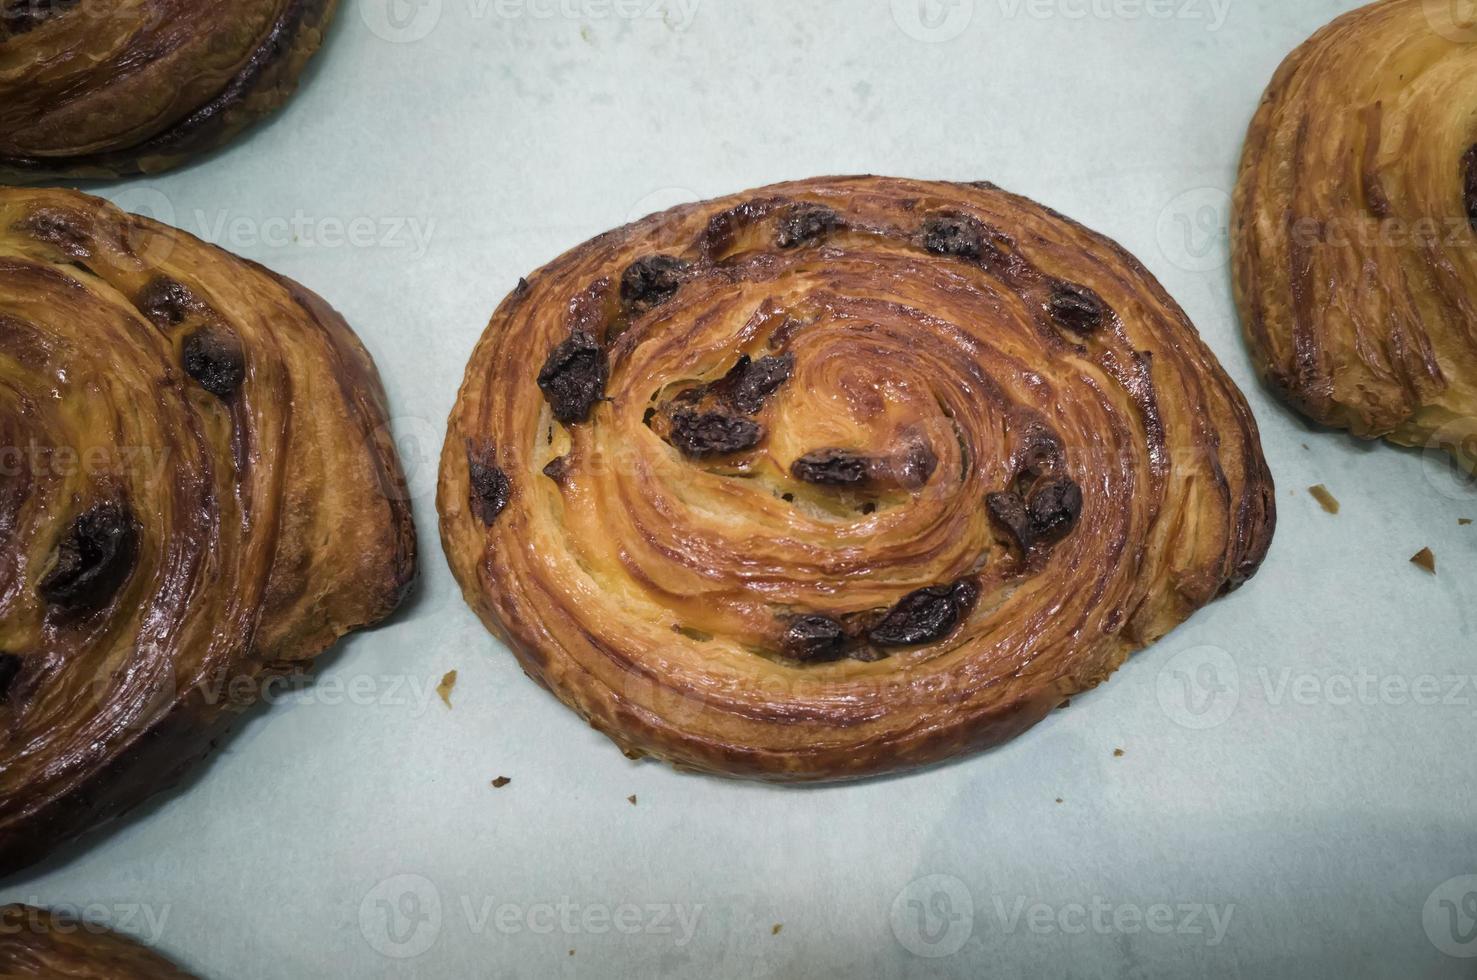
101, 88
198, 492
40, 943
1353, 236
843, 476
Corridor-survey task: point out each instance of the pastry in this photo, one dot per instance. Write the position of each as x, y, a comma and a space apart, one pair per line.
198, 492
1353, 244
843, 476
101, 89
40, 943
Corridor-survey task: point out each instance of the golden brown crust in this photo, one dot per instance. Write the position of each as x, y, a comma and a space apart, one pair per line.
721, 564
41, 943
198, 491
1353, 245
102, 89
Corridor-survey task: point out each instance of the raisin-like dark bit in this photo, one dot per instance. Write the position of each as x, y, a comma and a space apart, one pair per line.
64, 230
490, 490
573, 377
802, 224
20, 16
957, 235
1009, 511
700, 435
1054, 506
93, 560
10, 668
1076, 307
832, 468
915, 466
557, 469
926, 615
813, 638
1469, 185
167, 302
213, 357
650, 281
748, 384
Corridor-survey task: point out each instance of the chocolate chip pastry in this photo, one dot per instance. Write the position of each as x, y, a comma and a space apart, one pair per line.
101, 88
843, 476
41, 943
1353, 234
198, 493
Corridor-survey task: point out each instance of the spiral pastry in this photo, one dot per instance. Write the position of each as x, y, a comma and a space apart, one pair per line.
843, 476
1353, 245
41, 943
101, 88
197, 493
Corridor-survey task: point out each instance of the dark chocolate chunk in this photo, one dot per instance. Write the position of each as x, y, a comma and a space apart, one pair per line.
1054, 505
748, 384
700, 435
213, 357
925, 615
573, 377
802, 224
1076, 307
557, 469
953, 234
1009, 511
650, 281
167, 303
490, 490
832, 468
814, 638
10, 668
93, 560
1469, 185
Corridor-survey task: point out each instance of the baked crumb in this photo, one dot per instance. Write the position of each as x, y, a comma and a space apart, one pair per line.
776, 930
501, 781
1117, 753
1464, 521
1425, 558
631, 799
1325, 499
1058, 799
448, 681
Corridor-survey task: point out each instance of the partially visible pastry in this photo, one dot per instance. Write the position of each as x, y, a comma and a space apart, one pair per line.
843, 476
1353, 235
103, 89
198, 492
41, 944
